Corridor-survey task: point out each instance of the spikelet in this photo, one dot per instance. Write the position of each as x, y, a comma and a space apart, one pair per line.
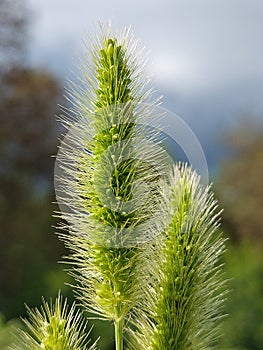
184, 296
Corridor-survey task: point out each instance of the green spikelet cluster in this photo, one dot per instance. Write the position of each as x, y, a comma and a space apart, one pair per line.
185, 296
113, 75
110, 204
113, 121
54, 327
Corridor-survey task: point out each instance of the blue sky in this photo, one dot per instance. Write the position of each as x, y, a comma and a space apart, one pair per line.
206, 56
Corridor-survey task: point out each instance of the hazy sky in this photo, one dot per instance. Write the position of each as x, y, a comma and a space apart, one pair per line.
193, 44
206, 55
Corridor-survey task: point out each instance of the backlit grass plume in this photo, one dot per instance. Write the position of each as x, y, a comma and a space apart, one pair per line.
54, 327
108, 186
143, 233
184, 296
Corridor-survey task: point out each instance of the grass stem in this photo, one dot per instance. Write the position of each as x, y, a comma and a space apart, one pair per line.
119, 334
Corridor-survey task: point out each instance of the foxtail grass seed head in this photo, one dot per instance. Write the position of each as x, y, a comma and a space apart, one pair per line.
54, 327
107, 172
185, 290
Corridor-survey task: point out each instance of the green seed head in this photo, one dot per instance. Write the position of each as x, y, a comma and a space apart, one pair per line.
112, 190
54, 327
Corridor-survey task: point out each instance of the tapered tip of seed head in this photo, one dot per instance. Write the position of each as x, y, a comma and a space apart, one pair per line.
54, 325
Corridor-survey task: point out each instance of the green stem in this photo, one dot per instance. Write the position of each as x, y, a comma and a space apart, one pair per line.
118, 324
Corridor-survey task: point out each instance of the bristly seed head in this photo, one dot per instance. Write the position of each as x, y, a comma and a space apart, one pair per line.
54, 327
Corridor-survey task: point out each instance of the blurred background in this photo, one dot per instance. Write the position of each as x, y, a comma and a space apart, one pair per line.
206, 58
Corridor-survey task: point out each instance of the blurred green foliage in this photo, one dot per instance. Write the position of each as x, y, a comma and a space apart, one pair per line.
240, 191
7, 332
28, 138
240, 187
104, 331
243, 327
